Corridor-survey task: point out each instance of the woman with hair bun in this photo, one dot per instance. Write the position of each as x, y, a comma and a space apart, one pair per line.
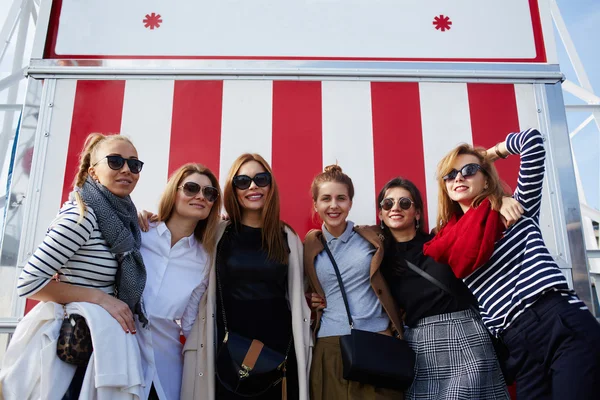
89, 261
358, 253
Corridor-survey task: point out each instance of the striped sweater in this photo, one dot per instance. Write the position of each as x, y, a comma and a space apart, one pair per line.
521, 268
76, 252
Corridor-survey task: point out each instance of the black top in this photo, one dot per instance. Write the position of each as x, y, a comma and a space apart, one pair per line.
416, 295
254, 292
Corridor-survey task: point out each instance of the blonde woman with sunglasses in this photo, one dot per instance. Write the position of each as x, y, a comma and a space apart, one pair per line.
177, 250
524, 298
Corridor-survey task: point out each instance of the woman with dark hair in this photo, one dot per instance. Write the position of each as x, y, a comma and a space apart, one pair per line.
255, 291
523, 296
177, 250
455, 357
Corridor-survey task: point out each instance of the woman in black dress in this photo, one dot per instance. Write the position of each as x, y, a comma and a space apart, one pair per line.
259, 275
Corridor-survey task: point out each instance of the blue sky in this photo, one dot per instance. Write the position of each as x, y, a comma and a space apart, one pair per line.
582, 18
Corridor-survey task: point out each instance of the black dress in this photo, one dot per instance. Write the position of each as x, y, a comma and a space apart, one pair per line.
254, 292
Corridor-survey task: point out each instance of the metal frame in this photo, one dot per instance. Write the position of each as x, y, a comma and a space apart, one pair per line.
582, 90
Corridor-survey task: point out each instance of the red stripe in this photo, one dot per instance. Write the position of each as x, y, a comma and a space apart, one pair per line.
397, 135
493, 115
196, 125
98, 108
297, 148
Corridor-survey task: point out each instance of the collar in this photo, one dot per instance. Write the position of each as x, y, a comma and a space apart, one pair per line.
162, 228
344, 237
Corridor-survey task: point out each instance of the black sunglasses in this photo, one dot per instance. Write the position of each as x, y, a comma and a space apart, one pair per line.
404, 202
243, 182
116, 162
466, 171
191, 189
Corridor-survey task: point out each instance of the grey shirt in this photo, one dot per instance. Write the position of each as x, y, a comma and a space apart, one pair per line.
353, 255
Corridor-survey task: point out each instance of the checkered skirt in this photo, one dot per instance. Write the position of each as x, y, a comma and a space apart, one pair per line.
455, 359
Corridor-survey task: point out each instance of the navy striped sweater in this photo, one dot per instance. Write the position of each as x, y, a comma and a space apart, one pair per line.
76, 252
521, 268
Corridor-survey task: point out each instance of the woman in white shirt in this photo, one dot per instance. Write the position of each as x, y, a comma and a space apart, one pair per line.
176, 251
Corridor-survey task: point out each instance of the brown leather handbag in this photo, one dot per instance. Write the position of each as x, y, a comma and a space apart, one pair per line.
74, 340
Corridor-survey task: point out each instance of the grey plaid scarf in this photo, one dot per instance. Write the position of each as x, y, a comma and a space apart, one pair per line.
117, 219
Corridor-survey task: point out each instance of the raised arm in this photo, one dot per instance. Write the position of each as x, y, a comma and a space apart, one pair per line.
529, 145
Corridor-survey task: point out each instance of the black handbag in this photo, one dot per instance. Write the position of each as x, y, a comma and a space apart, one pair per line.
370, 357
74, 344
500, 348
243, 362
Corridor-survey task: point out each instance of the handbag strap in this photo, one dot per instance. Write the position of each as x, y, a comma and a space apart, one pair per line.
339, 278
219, 288
436, 282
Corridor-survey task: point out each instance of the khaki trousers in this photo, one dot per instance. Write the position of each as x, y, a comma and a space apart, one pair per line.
326, 377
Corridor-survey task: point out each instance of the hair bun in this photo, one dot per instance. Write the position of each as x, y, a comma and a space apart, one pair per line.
334, 168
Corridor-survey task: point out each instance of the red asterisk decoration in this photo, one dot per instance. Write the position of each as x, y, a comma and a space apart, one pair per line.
152, 21
442, 23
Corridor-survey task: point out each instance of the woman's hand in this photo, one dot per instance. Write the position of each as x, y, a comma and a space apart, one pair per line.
119, 310
144, 218
316, 302
497, 151
511, 211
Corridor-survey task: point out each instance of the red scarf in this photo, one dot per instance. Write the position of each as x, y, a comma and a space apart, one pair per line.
466, 243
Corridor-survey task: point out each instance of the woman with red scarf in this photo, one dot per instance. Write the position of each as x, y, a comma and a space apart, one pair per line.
524, 299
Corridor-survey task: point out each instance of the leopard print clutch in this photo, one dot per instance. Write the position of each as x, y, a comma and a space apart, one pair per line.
74, 341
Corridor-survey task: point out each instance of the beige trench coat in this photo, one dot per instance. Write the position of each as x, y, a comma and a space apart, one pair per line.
200, 348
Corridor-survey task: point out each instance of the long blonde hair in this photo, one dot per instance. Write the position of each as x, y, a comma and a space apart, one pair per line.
206, 229
91, 147
272, 227
495, 190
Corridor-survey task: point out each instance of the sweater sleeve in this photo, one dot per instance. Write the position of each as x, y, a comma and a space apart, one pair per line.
191, 310
63, 239
529, 145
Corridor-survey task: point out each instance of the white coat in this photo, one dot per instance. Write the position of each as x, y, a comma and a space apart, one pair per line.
32, 370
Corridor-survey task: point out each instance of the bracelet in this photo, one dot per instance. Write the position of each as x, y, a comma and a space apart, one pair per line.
498, 151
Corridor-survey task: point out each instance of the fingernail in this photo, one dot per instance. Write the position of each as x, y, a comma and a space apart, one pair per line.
127, 331
134, 331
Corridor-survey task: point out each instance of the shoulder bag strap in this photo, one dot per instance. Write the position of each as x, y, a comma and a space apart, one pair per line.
436, 282
339, 278
219, 288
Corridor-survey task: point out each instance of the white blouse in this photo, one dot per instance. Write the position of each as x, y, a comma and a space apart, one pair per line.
177, 278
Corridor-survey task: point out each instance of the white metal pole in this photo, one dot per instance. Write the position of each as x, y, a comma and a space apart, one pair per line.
7, 134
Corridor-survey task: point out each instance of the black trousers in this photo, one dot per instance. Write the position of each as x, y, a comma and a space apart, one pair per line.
554, 351
153, 395
74, 389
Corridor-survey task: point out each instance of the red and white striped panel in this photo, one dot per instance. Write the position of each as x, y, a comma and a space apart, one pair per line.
374, 130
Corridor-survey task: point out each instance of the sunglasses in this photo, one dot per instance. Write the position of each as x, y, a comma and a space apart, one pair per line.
466, 171
243, 182
404, 202
191, 189
116, 162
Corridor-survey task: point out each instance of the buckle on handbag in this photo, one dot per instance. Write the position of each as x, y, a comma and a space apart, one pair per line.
244, 372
